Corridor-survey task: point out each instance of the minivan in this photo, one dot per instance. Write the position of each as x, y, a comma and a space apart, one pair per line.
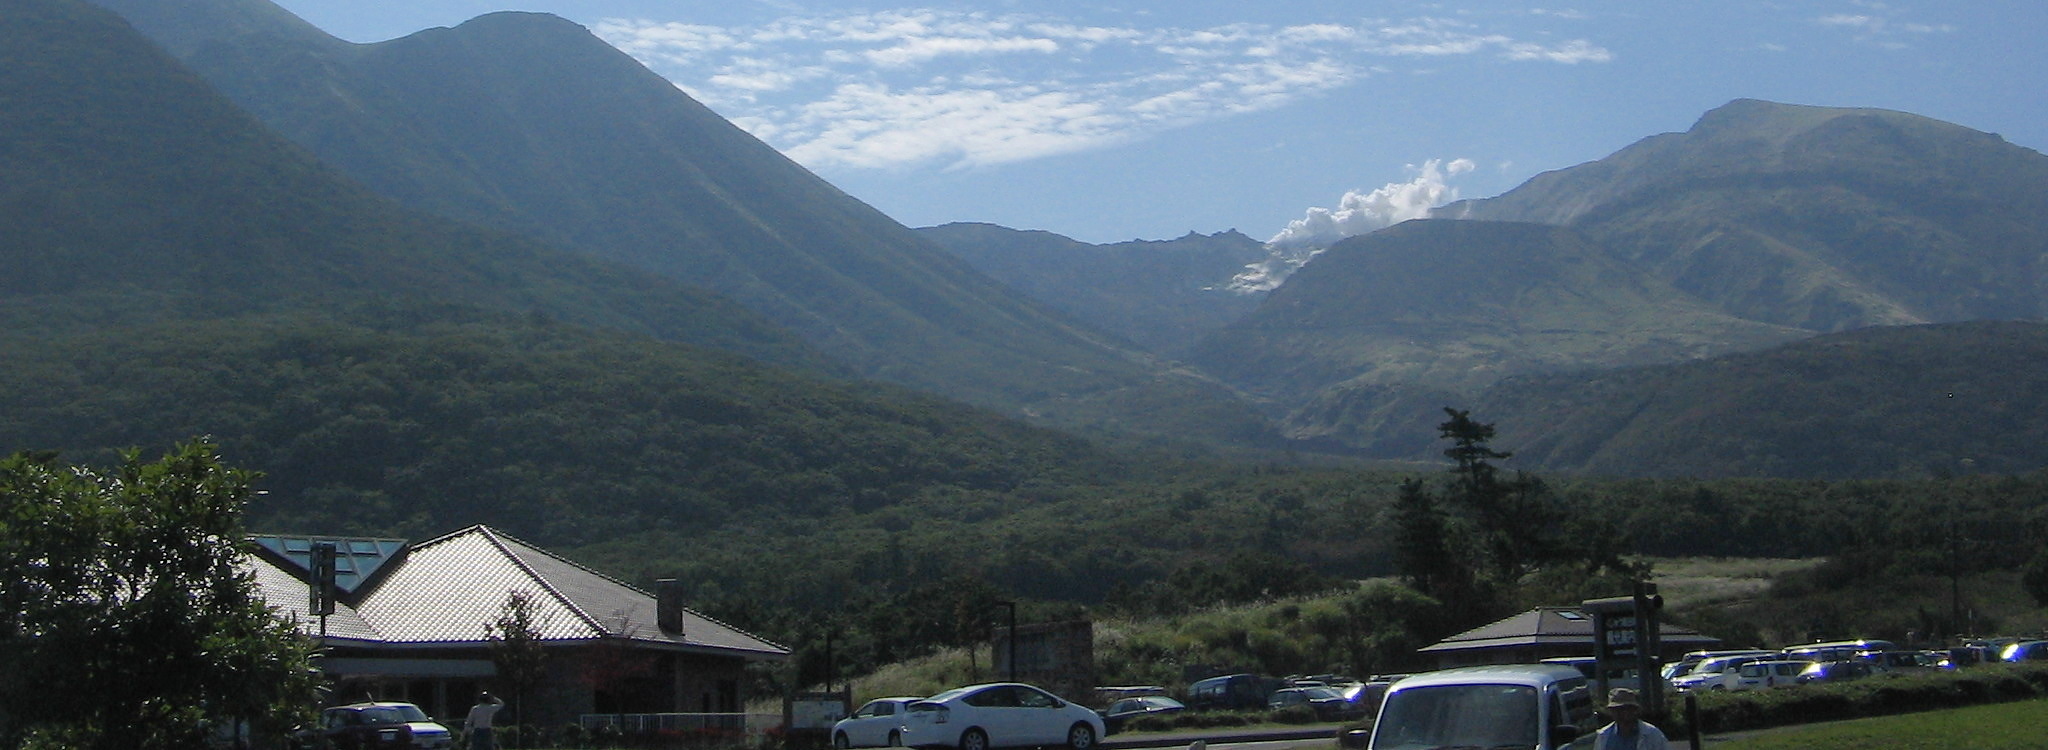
1542, 706
1233, 692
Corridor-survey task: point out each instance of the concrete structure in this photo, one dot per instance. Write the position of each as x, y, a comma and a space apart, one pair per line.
411, 622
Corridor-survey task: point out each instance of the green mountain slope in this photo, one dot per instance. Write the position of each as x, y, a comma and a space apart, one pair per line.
1454, 306
1162, 295
134, 191
1893, 401
1813, 217
562, 434
529, 123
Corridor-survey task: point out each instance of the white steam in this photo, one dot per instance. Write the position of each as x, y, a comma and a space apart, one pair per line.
1357, 213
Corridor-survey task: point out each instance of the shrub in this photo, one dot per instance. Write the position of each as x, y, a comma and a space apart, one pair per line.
1293, 715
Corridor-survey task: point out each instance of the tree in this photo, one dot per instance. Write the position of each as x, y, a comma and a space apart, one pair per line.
1422, 545
516, 651
2034, 577
127, 617
1515, 523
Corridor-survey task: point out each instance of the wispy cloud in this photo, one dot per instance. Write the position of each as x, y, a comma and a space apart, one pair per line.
1881, 24
960, 89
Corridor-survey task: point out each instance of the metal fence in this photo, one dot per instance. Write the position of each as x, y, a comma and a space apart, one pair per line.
710, 725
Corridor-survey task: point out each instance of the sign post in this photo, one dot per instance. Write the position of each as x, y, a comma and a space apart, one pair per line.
1627, 635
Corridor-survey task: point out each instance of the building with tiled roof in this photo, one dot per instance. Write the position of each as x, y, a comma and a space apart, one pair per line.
1543, 633
411, 621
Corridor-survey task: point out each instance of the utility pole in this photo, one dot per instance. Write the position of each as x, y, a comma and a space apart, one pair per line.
1011, 637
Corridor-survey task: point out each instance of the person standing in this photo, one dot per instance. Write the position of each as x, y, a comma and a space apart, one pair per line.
1629, 731
477, 729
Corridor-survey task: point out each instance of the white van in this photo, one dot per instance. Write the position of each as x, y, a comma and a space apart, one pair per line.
1542, 706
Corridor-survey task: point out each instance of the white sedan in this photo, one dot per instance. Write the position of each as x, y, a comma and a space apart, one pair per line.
1005, 714
877, 723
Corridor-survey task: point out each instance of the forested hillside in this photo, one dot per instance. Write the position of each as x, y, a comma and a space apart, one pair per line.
1879, 402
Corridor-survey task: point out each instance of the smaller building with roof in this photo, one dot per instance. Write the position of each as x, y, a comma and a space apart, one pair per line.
1544, 633
413, 622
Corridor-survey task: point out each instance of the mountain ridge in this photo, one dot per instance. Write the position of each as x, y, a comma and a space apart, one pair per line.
1815, 217
135, 191
530, 123
1161, 295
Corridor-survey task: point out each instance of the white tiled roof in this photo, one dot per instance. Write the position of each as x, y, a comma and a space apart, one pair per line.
287, 595
446, 591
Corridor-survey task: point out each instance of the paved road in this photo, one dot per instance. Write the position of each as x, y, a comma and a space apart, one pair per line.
1237, 739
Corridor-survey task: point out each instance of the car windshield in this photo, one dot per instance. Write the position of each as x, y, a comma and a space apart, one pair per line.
1479, 716
1323, 693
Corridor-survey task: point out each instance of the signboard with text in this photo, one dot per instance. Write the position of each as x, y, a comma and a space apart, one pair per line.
1626, 638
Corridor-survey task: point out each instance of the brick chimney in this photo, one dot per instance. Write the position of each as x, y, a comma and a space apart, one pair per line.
668, 605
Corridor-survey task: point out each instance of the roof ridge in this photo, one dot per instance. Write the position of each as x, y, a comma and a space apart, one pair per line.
497, 538
636, 589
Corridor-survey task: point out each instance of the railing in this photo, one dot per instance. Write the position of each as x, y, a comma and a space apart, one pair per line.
728, 725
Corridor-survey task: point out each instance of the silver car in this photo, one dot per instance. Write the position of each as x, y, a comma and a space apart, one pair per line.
877, 723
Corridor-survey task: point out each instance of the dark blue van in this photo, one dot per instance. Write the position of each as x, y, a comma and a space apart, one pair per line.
1233, 692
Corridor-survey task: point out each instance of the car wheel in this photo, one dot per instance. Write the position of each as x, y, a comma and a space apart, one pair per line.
895, 738
840, 741
974, 739
1081, 737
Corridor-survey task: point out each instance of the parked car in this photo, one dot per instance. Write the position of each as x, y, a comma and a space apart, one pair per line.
1234, 692
1905, 661
1327, 702
1692, 659
1004, 714
877, 723
1540, 706
1120, 713
1718, 673
1836, 650
1618, 675
2025, 651
1367, 695
1759, 675
1835, 671
364, 726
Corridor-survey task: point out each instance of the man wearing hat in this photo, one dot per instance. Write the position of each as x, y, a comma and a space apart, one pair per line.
1629, 731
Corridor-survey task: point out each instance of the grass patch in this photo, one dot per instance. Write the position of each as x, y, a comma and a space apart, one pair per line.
1701, 581
2004, 726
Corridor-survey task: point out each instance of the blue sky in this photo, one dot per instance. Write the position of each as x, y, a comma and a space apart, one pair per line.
1148, 119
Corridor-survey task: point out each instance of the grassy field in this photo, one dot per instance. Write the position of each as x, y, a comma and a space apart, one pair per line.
1704, 581
2005, 726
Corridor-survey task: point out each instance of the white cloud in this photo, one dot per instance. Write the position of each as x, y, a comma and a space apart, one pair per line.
1569, 53
916, 51
1356, 213
908, 87
1879, 24
1361, 212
